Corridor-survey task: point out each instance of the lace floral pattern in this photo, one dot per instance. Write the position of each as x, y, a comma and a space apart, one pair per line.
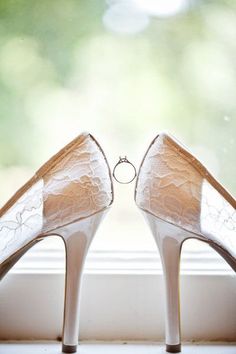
172, 188
22, 222
169, 186
218, 218
77, 186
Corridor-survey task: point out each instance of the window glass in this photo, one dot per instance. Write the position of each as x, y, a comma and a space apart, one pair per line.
123, 70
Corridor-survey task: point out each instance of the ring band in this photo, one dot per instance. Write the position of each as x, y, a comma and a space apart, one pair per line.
124, 160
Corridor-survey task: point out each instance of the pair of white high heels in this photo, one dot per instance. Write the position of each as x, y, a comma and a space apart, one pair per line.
69, 195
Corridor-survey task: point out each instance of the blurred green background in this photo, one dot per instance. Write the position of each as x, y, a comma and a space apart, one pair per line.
63, 71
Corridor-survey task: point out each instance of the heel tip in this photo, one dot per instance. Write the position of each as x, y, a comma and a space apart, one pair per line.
69, 348
173, 348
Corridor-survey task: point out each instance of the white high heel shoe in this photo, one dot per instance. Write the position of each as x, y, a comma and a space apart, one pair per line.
180, 199
67, 197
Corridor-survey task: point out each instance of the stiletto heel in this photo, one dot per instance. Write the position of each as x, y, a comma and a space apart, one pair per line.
169, 240
67, 197
169, 245
180, 199
77, 238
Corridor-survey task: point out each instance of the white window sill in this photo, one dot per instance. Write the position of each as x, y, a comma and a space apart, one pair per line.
42, 260
106, 348
122, 298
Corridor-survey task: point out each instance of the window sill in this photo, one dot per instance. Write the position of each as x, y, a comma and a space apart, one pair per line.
138, 348
122, 298
43, 260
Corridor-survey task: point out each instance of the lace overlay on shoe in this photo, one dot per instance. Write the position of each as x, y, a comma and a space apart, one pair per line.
174, 187
218, 218
77, 186
22, 222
